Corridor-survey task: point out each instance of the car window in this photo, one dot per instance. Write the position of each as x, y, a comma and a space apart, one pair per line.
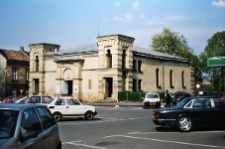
34, 99
152, 96
45, 99
8, 120
60, 101
72, 101
201, 103
30, 121
218, 103
46, 117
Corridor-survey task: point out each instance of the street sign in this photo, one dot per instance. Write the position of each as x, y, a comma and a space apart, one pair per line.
216, 62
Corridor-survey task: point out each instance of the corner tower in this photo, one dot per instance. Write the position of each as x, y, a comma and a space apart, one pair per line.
37, 66
115, 58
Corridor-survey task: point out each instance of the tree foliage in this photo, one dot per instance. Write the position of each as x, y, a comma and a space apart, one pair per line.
215, 48
175, 44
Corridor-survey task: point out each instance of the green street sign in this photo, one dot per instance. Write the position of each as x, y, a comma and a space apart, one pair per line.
216, 62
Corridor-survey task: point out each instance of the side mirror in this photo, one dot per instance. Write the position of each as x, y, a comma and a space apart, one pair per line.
29, 134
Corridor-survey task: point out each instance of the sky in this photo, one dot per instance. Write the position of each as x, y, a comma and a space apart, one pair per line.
72, 23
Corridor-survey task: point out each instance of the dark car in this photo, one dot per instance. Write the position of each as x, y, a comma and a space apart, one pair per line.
28, 126
179, 96
193, 112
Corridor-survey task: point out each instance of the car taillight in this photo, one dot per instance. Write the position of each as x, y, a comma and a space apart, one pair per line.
156, 115
178, 100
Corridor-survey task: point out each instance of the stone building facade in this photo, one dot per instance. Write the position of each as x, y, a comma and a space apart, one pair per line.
14, 72
98, 71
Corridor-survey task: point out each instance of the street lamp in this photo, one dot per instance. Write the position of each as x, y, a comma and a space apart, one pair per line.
198, 86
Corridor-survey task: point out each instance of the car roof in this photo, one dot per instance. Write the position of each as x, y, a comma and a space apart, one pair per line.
17, 106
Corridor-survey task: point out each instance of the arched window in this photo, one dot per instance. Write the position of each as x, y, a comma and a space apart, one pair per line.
157, 77
171, 79
109, 59
182, 79
124, 59
36, 63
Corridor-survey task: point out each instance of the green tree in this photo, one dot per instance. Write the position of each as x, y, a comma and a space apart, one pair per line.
175, 44
215, 48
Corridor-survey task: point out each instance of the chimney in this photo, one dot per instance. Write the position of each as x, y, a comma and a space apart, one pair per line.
21, 49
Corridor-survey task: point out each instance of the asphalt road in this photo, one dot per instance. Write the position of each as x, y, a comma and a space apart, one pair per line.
132, 127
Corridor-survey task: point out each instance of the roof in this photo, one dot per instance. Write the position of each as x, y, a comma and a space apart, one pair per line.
17, 106
92, 48
13, 55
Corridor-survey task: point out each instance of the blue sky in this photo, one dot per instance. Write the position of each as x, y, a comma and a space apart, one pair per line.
72, 23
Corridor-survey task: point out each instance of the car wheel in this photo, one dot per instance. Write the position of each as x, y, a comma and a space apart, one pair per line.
89, 115
184, 124
57, 116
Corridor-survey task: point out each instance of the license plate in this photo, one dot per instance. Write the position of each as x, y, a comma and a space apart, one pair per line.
152, 103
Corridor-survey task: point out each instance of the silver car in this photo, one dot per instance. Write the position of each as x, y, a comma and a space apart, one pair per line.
28, 126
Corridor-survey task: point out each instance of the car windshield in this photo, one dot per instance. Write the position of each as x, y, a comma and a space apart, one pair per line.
182, 103
51, 99
152, 96
8, 123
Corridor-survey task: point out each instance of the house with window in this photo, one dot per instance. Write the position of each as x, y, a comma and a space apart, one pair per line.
14, 72
97, 72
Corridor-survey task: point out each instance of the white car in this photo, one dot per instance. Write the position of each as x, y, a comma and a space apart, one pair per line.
70, 106
152, 99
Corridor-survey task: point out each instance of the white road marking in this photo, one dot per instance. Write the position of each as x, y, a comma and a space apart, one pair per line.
100, 121
176, 142
83, 145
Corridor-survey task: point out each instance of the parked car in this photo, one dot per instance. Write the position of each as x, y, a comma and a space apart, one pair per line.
152, 99
70, 106
27, 126
193, 112
22, 100
179, 96
39, 99
11, 99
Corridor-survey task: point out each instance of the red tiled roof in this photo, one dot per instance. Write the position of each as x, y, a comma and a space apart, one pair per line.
15, 55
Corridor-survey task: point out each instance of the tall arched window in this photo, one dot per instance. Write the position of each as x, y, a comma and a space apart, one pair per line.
36, 63
182, 79
124, 59
109, 59
171, 79
157, 77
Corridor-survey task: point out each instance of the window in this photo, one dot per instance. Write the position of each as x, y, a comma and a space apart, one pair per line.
124, 59
36, 86
171, 79
27, 75
89, 84
14, 92
30, 121
182, 79
46, 117
45, 99
134, 66
15, 74
134, 85
157, 78
139, 84
72, 102
109, 59
139, 66
60, 101
36, 63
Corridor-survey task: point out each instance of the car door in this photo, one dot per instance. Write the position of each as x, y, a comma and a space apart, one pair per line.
50, 132
203, 112
30, 122
58, 105
219, 112
74, 107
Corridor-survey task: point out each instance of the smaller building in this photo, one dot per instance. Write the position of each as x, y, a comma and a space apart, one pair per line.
14, 72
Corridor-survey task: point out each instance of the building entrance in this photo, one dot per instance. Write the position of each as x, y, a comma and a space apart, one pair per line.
67, 88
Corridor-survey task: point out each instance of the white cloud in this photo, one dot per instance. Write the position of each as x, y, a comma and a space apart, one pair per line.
127, 17
135, 5
117, 4
219, 3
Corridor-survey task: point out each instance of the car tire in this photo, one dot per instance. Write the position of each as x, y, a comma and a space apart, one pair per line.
88, 115
184, 123
57, 117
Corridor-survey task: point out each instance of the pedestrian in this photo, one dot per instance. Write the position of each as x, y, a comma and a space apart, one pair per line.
168, 98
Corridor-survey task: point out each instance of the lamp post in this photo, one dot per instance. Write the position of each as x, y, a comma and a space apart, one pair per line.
198, 86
